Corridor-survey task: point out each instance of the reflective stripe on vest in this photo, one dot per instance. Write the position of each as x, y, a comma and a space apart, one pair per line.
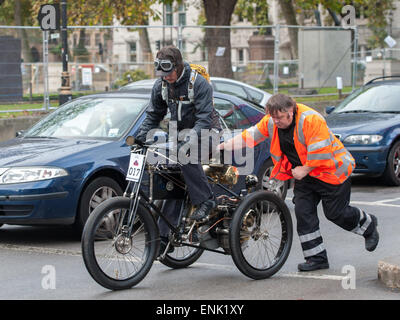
300, 133
256, 134
276, 158
319, 145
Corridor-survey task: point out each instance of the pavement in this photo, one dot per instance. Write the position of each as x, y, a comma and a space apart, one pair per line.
389, 272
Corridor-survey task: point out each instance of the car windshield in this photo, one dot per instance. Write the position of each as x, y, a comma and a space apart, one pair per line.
95, 117
381, 98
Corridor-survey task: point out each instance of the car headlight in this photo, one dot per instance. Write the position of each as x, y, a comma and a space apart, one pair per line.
363, 139
29, 174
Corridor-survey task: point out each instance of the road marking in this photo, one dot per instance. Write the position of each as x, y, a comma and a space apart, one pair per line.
382, 203
308, 275
313, 276
77, 253
41, 250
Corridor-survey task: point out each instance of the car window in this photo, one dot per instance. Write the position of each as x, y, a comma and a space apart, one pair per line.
229, 88
90, 117
255, 95
381, 98
139, 90
231, 114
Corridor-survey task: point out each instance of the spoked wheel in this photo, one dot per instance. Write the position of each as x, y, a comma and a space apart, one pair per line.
261, 235
115, 259
182, 256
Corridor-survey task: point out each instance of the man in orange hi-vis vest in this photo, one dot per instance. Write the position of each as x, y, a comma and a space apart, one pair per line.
303, 148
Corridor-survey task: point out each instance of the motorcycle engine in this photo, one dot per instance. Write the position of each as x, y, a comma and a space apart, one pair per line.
206, 239
221, 173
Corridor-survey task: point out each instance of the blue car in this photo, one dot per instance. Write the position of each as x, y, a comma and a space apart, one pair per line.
59, 170
368, 124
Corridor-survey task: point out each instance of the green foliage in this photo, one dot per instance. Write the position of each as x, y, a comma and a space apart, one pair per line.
96, 12
255, 11
131, 76
7, 11
377, 12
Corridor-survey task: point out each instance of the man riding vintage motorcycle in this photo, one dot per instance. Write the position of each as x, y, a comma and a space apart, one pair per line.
192, 108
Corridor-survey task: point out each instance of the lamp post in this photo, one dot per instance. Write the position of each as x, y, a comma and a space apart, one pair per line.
65, 90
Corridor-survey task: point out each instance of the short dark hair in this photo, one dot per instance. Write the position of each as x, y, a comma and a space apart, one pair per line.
279, 102
173, 54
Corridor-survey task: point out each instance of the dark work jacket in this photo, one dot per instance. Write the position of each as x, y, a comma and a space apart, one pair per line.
197, 115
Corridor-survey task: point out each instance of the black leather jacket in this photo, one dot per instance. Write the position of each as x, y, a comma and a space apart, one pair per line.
197, 115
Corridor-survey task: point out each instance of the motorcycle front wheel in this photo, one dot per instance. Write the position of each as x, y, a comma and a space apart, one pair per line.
261, 235
113, 258
182, 257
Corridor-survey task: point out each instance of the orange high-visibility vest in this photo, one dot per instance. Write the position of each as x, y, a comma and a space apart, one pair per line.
314, 142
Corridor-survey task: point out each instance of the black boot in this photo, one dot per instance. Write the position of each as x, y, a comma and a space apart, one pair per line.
371, 241
203, 210
312, 264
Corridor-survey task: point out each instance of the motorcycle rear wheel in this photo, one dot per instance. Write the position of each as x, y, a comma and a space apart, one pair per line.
113, 259
261, 235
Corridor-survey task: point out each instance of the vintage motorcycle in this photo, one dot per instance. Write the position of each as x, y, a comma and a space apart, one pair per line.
121, 239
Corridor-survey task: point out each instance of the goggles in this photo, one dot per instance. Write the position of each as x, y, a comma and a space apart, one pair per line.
164, 65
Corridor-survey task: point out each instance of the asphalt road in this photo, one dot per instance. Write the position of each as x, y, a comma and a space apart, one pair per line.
46, 263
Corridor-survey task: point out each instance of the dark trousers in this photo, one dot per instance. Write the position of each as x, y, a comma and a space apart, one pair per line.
308, 192
199, 191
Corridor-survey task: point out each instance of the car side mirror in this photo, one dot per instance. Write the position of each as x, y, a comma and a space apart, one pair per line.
19, 133
329, 109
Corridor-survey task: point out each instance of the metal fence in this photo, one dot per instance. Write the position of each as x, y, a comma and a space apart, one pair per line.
299, 60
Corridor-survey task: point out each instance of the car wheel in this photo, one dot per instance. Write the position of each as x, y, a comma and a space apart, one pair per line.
97, 191
265, 183
391, 175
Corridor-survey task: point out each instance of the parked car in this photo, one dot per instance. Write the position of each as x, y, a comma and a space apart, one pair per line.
241, 90
223, 85
368, 124
59, 170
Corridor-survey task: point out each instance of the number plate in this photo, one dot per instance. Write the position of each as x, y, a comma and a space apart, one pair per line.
136, 165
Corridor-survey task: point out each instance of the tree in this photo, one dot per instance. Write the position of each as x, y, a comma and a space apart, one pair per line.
289, 14
219, 13
255, 11
18, 13
375, 11
103, 12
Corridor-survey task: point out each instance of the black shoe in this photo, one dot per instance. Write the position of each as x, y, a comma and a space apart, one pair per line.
203, 210
311, 265
371, 241
163, 245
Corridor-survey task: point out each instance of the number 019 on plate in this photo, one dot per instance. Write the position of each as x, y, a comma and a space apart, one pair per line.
136, 165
